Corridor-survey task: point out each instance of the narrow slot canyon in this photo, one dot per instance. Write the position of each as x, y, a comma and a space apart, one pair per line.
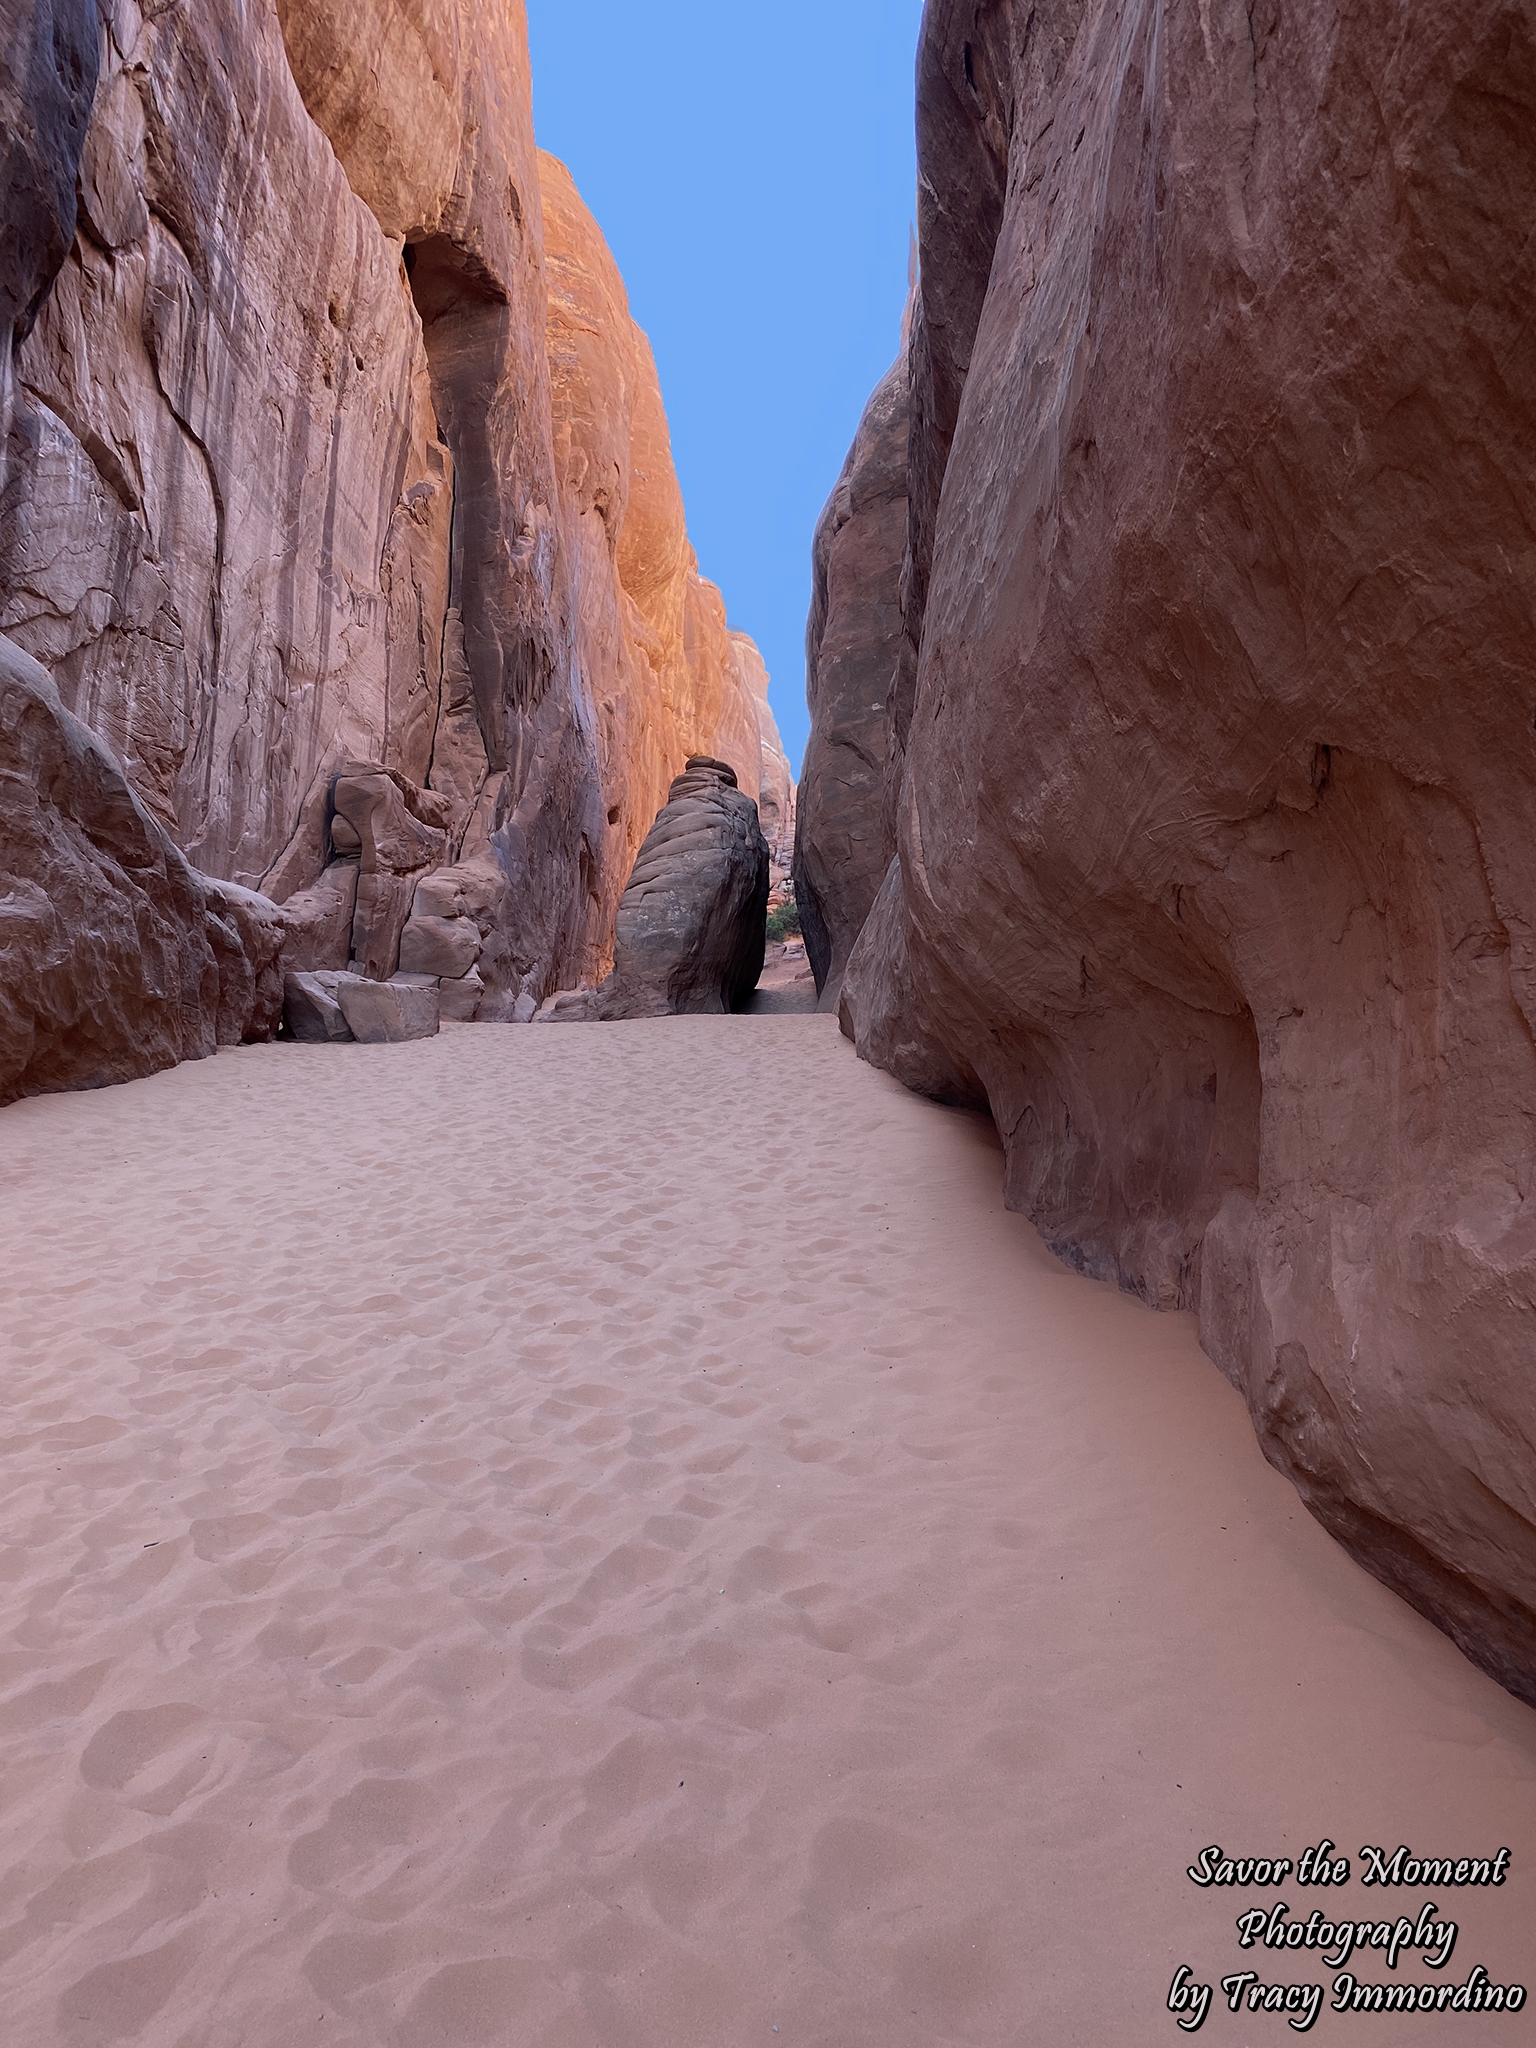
688, 1369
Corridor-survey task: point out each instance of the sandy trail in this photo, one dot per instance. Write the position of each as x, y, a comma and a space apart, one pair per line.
611, 1535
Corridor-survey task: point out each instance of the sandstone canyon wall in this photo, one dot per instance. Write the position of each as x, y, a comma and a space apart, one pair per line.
1212, 771
775, 785
116, 956
294, 475
674, 679
49, 59
852, 644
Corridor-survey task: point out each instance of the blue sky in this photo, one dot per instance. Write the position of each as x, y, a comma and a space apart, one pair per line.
752, 168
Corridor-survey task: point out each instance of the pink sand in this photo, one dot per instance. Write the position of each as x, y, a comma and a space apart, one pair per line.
611, 1535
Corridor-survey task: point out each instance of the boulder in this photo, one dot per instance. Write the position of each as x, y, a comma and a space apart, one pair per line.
317, 922
1213, 775
311, 1012
246, 931
470, 888
386, 1012
445, 946
570, 1006
692, 923
116, 957
459, 1000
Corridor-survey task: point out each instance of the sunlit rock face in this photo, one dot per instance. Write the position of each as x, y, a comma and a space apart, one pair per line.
669, 677
1212, 764
775, 777
427, 105
288, 478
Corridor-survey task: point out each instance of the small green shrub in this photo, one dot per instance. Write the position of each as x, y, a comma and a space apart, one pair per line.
783, 923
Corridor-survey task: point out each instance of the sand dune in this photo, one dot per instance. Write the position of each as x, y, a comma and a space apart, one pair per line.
612, 1536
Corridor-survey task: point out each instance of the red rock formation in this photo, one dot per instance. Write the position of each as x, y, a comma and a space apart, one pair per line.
1215, 789
400, 842
289, 482
692, 922
426, 103
213, 409
853, 642
690, 928
118, 957
668, 676
776, 779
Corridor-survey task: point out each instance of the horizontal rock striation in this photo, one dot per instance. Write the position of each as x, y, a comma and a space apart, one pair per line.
692, 926
1213, 771
692, 923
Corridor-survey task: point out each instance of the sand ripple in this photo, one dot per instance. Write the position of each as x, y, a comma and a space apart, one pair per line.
612, 1536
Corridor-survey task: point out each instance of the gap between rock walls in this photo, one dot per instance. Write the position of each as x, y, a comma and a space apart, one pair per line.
1171, 789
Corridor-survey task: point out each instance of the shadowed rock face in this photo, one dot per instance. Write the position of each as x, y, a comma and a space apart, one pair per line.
1213, 782
318, 921
691, 925
853, 640
48, 68
401, 838
49, 62
388, 1012
311, 1011
118, 958
223, 421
